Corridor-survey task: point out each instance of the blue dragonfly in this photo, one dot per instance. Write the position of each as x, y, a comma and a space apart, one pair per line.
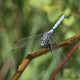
45, 39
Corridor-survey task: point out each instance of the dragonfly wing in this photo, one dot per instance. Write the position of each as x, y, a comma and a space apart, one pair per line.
23, 42
59, 55
53, 51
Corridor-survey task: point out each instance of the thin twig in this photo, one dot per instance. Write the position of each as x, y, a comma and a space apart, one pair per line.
6, 67
40, 52
64, 61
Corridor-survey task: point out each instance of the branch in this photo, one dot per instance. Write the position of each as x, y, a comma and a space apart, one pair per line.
6, 67
64, 61
40, 52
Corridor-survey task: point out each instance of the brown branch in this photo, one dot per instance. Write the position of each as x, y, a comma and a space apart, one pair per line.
6, 67
64, 61
40, 52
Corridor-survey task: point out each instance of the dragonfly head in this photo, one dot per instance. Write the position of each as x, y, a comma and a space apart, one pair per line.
43, 42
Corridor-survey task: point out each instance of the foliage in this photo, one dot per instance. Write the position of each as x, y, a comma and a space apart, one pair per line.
23, 18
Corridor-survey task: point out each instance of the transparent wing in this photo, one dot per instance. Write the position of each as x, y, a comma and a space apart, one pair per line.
23, 42
53, 51
59, 55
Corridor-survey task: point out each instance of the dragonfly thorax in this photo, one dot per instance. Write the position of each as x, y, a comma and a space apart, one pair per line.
45, 38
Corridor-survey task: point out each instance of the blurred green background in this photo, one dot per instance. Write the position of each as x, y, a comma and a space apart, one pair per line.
24, 18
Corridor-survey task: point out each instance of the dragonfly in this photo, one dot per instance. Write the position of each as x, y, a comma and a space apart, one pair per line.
45, 39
